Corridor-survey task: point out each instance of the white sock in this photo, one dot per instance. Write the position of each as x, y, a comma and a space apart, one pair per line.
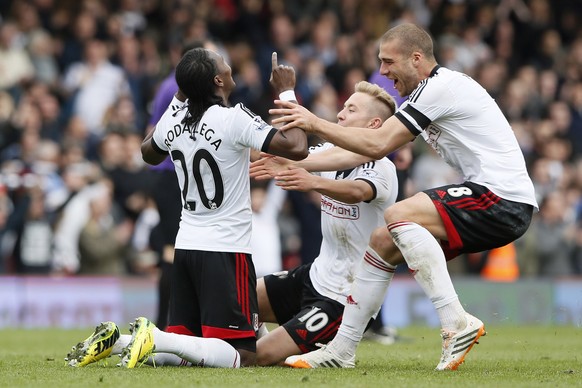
159, 359
166, 359
121, 343
373, 276
426, 259
208, 352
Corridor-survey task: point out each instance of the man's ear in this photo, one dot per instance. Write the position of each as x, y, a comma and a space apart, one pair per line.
218, 81
376, 122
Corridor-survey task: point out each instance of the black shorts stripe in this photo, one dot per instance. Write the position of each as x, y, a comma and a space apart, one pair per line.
292, 298
214, 295
483, 203
242, 285
329, 331
476, 219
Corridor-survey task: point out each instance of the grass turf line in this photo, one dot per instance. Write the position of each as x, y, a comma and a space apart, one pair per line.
533, 356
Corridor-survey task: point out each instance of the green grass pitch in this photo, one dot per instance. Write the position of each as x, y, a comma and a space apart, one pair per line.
508, 356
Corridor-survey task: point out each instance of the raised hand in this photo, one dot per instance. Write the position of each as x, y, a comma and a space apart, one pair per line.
282, 77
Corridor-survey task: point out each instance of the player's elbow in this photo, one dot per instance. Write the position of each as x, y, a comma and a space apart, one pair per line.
376, 152
291, 145
298, 153
356, 196
151, 157
298, 144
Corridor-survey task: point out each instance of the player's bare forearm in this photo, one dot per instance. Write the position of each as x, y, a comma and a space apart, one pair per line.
362, 141
347, 191
334, 159
374, 143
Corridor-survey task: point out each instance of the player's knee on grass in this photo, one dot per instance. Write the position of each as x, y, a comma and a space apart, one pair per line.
247, 358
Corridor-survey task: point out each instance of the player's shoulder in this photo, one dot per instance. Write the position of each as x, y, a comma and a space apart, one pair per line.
243, 109
436, 87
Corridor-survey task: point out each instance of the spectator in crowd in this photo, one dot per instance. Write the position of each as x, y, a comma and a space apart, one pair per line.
536, 43
103, 240
93, 86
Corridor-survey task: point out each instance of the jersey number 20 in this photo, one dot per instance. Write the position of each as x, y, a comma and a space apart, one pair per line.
209, 203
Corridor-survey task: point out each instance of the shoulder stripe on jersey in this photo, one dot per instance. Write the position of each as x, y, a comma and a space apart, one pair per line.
407, 123
420, 119
267, 142
416, 93
247, 110
157, 148
373, 186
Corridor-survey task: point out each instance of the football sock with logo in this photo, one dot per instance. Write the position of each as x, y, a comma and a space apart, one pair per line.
426, 260
372, 278
166, 359
209, 352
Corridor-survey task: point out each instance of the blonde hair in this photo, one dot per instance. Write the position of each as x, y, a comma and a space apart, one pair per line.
379, 95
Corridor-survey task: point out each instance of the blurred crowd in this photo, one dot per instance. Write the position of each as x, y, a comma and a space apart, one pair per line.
77, 79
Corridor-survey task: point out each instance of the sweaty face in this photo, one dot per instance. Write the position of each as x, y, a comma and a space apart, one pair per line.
355, 112
398, 67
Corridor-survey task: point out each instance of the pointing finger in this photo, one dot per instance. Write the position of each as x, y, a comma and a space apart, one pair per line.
274, 63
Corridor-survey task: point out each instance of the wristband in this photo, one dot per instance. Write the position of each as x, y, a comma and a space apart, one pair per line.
288, 95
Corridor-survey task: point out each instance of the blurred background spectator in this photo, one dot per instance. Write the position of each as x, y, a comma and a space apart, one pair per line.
78, 81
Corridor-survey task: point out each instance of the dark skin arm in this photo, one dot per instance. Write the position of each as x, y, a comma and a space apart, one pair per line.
292, 143
148, 153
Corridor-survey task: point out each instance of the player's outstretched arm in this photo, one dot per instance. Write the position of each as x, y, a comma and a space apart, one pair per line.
374, 143
333, 159
268, 166
344, 190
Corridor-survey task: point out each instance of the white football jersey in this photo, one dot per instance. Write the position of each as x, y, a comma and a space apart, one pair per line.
212, 165
461, 121
346, 228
